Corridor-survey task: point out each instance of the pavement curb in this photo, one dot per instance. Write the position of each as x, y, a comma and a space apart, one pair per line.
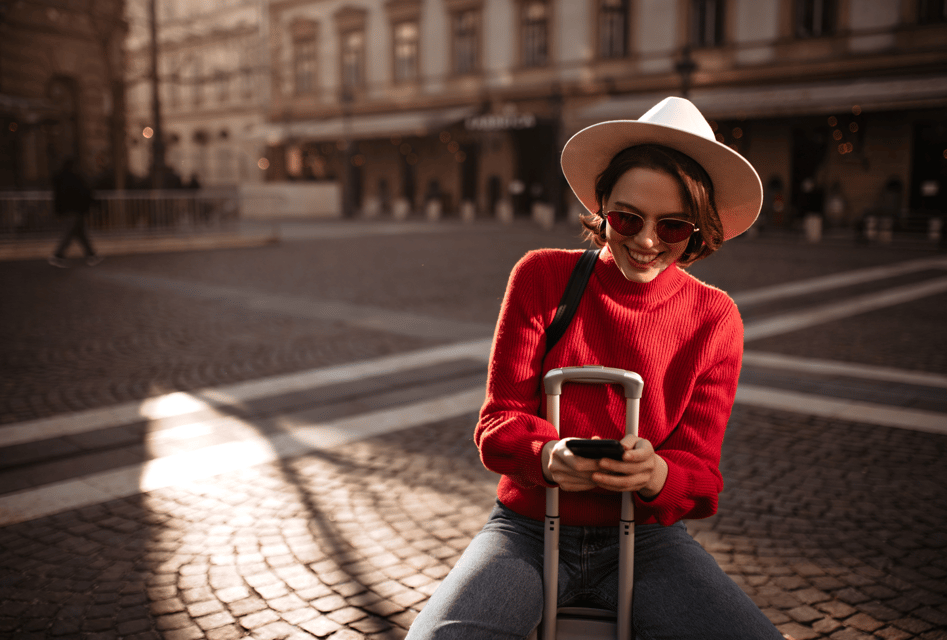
105, 246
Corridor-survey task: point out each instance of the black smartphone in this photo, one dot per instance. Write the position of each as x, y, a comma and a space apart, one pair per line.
596, 448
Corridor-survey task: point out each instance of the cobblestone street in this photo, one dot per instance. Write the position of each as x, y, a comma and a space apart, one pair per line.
275, 441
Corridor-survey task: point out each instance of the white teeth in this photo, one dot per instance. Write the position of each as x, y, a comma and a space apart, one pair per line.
641, 258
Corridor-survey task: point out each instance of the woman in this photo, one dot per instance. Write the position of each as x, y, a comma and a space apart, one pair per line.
661, 193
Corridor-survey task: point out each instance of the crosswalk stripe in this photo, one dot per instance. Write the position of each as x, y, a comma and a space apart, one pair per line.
297, 438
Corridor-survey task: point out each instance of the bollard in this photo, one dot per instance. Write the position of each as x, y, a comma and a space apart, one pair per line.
935, 227
468, 213
544, 215
813, 228
401, 209
504, 212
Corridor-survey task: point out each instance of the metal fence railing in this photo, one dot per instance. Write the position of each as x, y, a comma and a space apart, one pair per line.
170, 210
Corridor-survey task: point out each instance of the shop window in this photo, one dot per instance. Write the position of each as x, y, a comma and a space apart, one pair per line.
707, 23
406, 42
613, 28
466, 32
932, 11
815, 18
534, 29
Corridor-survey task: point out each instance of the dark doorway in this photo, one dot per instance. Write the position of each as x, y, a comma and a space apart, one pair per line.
809, 148
929, 166
537, 166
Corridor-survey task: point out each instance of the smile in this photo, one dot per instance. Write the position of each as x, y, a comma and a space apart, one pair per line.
641, 259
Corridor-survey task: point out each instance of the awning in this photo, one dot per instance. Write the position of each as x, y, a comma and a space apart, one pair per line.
788, 99
403, 123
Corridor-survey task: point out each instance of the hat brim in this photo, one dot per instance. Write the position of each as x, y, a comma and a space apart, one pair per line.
738, 191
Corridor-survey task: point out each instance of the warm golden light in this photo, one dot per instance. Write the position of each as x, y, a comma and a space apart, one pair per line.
148, 132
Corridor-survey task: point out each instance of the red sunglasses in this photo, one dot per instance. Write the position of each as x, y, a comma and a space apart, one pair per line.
669, 230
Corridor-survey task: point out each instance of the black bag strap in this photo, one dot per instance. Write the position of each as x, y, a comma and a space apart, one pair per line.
570, 297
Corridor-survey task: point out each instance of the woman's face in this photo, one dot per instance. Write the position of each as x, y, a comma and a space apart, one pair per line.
653, 195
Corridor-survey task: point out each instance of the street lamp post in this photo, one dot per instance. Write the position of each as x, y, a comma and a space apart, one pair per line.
157, 145
347, 204
685, 67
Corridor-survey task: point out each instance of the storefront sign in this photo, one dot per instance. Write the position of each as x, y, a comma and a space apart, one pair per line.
500, 122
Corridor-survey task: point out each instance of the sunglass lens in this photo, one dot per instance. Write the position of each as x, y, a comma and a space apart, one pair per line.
672, 231
669, 230
627, 224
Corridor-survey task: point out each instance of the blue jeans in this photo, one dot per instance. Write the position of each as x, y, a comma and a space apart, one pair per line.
495, 590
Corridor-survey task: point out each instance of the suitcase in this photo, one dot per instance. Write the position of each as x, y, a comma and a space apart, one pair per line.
581, 623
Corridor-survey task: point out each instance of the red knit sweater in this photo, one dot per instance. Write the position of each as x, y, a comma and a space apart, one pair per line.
684, 338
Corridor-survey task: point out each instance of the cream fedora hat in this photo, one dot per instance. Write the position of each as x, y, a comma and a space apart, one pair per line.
674, 123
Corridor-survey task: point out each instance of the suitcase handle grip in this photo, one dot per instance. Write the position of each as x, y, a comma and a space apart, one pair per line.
631, 382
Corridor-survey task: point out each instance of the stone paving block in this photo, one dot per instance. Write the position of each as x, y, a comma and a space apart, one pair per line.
215, 620
320, 626
298, 616
272, 591
892, 633
849, 634
863, 622
198, 609
797, 631
228, 632
346, 615
804, 614
190, 632
258, 619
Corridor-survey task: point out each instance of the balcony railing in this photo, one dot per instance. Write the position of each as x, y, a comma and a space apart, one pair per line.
27, 213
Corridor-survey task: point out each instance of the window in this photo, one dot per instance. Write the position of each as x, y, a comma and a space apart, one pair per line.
353, 59
406, 51
612, 28
197, 83
535, 24
932, 11
815, 18
222, 85
707, 23
304, 65
466, 27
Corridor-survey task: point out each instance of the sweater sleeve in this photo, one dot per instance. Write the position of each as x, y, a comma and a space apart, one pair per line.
510, 433
692, 450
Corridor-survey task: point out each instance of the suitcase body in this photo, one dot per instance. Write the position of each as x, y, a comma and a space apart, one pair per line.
580, 623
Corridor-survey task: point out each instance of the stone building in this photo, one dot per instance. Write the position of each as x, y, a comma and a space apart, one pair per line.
211, 71
61, 90
460, 107
839, 103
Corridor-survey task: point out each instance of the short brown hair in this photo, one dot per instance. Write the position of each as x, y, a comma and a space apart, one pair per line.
697, 193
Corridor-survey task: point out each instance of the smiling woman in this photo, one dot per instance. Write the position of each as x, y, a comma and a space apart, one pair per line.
661, 193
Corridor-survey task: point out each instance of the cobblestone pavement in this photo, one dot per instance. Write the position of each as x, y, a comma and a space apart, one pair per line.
835, 527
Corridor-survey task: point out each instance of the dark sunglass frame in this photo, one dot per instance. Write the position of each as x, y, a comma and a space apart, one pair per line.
669, 230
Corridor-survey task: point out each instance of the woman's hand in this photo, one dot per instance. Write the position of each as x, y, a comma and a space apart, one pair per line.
640, 469
564, 468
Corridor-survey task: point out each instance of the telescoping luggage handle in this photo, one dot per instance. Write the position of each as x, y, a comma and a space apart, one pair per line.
632, 385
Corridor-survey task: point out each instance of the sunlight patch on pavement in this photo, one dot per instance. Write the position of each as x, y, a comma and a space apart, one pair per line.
298, 437
234, 395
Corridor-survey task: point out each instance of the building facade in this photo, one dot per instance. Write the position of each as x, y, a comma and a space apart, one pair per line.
61, 91
212, 75
840, 104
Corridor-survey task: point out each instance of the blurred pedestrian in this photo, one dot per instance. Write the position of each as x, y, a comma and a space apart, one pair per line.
660, 193
72, 199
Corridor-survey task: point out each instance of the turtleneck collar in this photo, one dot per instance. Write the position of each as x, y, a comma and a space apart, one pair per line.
648, 294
